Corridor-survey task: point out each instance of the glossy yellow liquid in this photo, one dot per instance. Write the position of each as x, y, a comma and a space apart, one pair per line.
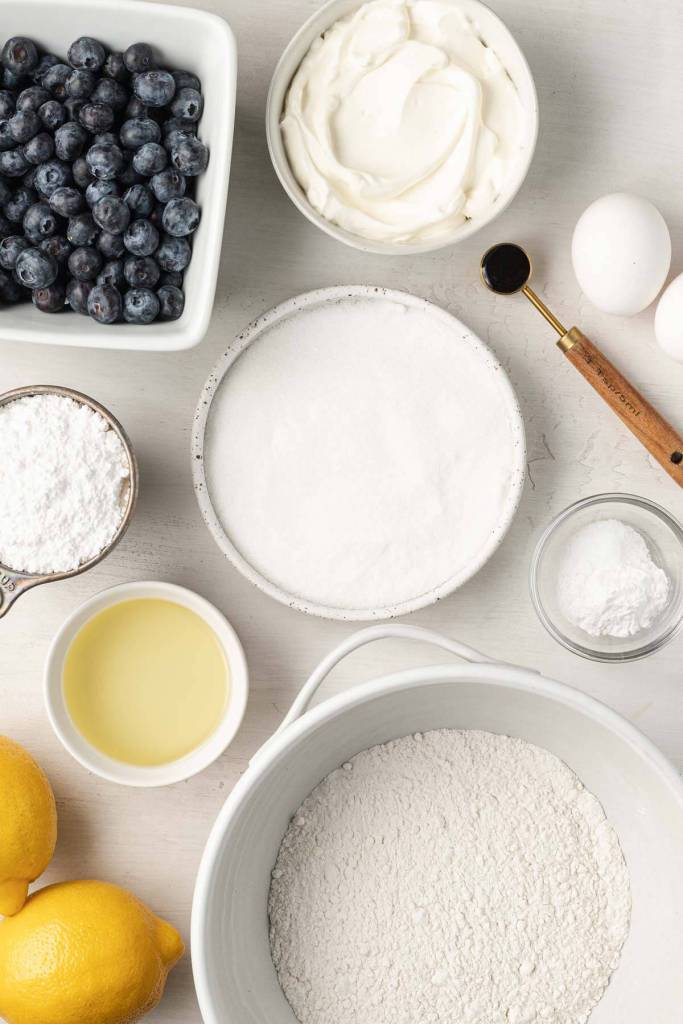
146, 681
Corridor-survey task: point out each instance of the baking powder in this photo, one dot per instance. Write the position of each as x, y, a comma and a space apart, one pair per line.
363, 452
607, 582
455, 877
63, 472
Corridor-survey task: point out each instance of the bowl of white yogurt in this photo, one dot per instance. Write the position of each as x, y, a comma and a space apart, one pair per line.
402, 126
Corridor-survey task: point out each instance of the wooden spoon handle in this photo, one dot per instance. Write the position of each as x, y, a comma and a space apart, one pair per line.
652, 430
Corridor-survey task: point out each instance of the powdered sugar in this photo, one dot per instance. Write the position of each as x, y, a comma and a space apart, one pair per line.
448, 878
608, 584
62, 483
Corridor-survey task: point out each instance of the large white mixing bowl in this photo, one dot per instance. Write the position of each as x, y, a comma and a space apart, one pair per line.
640, 791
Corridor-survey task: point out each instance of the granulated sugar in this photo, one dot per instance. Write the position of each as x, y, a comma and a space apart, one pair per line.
62, 483
361, 453
448, 878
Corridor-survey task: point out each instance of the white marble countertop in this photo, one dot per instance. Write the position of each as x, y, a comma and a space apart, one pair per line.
610, 82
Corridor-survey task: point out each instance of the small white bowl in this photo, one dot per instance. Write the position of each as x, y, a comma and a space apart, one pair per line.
186, 38
137, 775
496, 35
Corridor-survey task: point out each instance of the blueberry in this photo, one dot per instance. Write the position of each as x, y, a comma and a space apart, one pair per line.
150, 159
6, 227
77, 293
13, 163
138, 58
39, 149
105, 161
136, 108
188, 104
141, 238
73, 106
112, 214
111, 94
179, 124
96, 117
55, 80
32, 98
186, 80
168, 184
174, 254
81, 83
10, 289
105, 304
50, 299
10, 249
51, 176
82, 173
85, 263
5, 192
28, 180
58, 247
115, 68
112, 273
140, 306
20, 55
24, 125
141, 271
86, 52
172, 277
66, 201
11, 80
181, 217
6, 138
39, 222
111, 246
16, 208
140, 200
7, 104
97, 190
36, 269
171, 302
137, 131
52, 114
156, 216
156, 88
47, 61
190, 156
129, 176
105, 139
81, 229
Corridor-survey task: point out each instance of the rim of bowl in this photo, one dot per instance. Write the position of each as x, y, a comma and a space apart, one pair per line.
213, 382
121, 772
583, 651
285, 174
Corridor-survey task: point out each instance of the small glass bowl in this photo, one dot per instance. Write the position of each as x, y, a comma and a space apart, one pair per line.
664, 538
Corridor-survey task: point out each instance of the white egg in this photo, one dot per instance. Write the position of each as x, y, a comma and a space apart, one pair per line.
621, 251
669, 320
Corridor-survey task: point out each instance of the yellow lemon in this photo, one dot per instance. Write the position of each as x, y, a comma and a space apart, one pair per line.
28, 824
84, 953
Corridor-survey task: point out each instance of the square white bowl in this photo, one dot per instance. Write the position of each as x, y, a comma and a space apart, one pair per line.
183, 38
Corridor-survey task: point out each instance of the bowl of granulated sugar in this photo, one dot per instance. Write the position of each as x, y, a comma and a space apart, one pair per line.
607, 577
68, 486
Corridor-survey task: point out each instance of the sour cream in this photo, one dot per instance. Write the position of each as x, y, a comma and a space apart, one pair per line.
401, 123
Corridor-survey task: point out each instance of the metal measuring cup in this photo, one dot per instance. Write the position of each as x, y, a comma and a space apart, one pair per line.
14, 583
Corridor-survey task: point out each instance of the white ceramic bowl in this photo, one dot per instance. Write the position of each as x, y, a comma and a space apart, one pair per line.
496, 35
641, 793
156, 775
259, 327
184, 38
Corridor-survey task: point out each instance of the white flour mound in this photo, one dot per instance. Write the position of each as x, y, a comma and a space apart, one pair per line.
362, 452
448, 878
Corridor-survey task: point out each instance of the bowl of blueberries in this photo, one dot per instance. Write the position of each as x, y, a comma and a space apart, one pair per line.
115, 142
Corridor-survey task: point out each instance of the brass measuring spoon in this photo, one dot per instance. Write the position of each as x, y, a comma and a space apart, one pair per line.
14, 583
506, 269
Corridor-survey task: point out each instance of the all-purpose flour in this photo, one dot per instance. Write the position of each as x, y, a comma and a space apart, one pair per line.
360, 453
62, 479
448, 878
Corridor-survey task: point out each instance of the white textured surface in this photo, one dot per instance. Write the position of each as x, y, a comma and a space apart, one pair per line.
448, 876
610, 79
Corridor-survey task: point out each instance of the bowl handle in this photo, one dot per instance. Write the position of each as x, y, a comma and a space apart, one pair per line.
394, 631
